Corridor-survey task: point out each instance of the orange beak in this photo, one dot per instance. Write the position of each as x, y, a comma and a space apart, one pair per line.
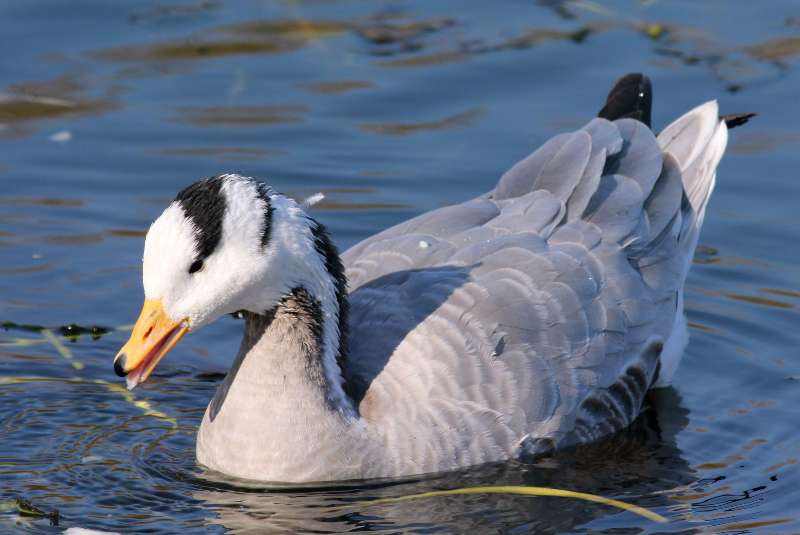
153, 336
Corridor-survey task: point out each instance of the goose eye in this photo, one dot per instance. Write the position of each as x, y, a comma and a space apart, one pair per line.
197, 265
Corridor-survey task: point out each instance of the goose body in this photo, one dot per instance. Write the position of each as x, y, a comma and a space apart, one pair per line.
533, 317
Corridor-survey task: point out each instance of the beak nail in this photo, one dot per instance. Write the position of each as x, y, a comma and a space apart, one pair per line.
119, 365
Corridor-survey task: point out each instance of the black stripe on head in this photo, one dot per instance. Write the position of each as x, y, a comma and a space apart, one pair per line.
333, 264
204, 205
263, 191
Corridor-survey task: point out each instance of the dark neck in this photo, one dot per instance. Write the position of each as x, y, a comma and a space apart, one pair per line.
293, 329
333, 264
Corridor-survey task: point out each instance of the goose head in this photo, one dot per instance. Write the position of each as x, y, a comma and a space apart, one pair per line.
226, 244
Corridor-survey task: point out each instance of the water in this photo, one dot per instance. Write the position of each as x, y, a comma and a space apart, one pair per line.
392, 109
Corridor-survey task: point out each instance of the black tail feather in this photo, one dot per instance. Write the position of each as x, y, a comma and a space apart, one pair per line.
732, 120
631, 97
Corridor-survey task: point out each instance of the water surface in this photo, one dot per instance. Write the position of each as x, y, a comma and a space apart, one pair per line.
391, 109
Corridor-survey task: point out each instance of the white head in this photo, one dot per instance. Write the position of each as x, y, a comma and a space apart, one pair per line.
225, 244
210, 252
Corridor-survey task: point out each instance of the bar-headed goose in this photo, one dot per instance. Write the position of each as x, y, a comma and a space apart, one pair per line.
533, 317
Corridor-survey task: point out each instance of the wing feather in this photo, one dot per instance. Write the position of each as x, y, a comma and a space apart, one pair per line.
556, 167
526, 318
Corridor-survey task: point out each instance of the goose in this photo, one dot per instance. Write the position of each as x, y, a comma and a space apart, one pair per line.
531, 318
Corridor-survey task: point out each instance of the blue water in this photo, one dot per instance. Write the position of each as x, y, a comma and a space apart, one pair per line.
391, 109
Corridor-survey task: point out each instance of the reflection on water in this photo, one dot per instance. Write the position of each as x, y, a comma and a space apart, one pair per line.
389, 111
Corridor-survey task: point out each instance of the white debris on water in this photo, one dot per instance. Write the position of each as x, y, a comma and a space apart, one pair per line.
61, 137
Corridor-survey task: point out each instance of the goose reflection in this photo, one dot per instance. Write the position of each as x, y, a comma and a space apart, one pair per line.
640, 465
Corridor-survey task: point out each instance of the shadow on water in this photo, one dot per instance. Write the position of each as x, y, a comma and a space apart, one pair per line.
641, 465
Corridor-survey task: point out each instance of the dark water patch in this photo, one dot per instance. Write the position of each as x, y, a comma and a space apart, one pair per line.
220, 153
196, 49
174, 11
254, 37
566, 9
375, 173
424, 60
757, 300
343, 199
26, 269
701, 327
333, 205
775, 49
244, 115
302, 194
783, 293
458, 120
384, 32
21, 108
537, 36
16, 355
126, 233
742, 526
300, 29
134, 71
748, 143
53, 98
706, 255
67, 86
336, 87
73, 239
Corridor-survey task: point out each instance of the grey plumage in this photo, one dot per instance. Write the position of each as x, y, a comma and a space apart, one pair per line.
537, 311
